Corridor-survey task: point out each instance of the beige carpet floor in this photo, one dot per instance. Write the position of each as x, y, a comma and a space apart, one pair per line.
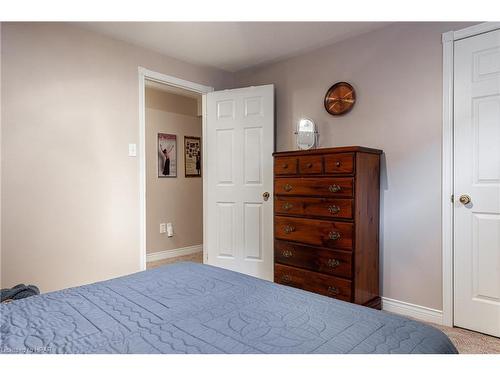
470, 342
467, 342
196, 257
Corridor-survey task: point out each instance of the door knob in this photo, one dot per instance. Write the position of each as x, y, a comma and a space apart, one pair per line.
265, 196
465, 199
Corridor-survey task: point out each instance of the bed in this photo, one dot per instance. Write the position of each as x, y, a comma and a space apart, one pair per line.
195, 308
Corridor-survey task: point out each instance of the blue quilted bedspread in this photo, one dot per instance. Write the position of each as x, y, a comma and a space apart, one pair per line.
194, 308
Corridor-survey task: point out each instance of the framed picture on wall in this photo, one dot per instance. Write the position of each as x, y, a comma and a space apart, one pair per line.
192, 156
167, 155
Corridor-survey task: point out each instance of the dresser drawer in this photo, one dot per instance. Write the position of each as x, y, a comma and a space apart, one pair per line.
330, 286
328, 187
285, 165
331, 234
339, 163
311, 164
324, 207
337, 263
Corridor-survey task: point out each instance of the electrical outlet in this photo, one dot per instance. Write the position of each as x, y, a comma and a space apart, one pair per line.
163, 228
170, 230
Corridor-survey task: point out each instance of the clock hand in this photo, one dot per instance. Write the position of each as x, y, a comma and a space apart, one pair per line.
337, 104
335, 100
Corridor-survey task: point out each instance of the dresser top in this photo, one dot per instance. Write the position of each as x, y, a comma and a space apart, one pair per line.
331, 150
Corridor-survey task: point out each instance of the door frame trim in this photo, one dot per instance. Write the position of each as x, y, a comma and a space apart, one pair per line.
448, 40
146, 74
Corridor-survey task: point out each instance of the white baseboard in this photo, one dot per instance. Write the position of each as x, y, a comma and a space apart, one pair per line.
160, 255
413, 311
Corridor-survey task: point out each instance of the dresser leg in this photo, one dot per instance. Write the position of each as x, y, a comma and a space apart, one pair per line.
374, 303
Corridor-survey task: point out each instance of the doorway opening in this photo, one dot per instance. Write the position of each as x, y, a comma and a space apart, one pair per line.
171, 169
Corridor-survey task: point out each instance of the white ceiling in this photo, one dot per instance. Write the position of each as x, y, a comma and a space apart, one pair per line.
232, 46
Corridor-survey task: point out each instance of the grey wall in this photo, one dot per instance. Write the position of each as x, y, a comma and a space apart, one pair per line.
70, 193
397, 73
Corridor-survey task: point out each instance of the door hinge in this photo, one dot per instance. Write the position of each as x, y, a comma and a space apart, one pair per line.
452, 198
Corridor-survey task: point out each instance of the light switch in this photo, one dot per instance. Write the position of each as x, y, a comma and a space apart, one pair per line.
132, 149
163, 228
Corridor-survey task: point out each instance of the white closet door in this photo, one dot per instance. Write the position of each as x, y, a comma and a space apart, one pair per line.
477, 175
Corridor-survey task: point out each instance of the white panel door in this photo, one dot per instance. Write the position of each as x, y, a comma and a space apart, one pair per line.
477, 175
239, 146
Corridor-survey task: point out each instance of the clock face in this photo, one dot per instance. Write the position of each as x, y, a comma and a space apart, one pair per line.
340, 98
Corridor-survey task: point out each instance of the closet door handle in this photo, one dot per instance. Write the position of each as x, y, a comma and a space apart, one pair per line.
465, 199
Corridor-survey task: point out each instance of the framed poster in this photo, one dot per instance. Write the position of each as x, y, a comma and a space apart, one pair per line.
167, 155
192, 156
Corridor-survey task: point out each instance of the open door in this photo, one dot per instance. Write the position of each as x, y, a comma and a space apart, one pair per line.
239, 142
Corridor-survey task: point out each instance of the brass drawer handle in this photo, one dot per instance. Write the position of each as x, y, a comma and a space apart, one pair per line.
285, 166
337, 164
287, 187
286, 253
333, 290
334, 188
286, 206
289, 229
334, 236
286, 278
309, 165
333, 209
333, 263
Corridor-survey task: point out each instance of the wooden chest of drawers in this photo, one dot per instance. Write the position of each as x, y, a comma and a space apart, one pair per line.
326, 222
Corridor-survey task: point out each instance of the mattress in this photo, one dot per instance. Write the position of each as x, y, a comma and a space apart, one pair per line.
194, 308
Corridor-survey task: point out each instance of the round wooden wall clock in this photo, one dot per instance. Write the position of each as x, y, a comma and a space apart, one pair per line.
340, 98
